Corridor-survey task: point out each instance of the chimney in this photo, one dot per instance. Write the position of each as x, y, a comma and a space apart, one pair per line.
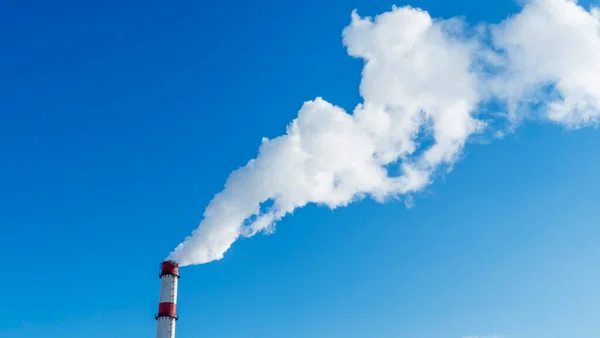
167, 311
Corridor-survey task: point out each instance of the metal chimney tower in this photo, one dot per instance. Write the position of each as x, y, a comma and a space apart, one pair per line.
167, 311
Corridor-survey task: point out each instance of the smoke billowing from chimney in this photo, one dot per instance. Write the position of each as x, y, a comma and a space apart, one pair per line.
427, 87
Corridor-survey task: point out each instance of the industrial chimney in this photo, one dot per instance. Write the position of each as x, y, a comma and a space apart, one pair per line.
167, 312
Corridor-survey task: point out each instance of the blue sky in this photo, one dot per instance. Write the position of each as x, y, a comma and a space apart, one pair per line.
119, 123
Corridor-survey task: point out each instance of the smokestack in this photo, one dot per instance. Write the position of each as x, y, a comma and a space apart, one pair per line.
167, 312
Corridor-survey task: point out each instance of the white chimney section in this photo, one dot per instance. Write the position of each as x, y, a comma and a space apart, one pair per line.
167, 303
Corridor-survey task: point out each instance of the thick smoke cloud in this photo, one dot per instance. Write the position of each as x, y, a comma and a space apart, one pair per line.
426, 84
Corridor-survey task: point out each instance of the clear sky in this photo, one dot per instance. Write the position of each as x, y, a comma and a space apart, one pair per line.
119, 122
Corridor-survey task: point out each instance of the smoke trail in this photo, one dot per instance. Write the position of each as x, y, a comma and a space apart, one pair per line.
426, 86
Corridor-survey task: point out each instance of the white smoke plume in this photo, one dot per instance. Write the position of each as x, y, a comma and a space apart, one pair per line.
425, 85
